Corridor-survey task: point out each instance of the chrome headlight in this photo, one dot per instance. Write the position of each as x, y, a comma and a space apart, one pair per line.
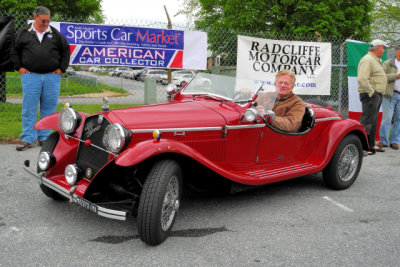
68, 120
44, 161
115, 137
71, 174
250, 114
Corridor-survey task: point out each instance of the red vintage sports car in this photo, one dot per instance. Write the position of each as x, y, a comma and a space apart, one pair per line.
137, 161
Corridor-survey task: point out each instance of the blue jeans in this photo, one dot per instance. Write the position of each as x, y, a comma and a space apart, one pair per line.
390, 107
38, 89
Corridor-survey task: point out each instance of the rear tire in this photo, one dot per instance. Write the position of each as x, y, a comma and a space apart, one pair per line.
48, 146
159, 202
345, 164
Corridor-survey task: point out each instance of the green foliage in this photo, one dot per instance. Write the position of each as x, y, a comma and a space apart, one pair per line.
386, 24
89, 10
11, 123
70, 85
335, 18
225, 19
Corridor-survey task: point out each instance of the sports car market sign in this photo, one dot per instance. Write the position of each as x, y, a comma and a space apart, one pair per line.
133, 46
261, 59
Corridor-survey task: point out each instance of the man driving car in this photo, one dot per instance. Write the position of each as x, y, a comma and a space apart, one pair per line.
288, 108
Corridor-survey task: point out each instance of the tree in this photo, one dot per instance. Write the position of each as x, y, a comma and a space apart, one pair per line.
333, 18
386, 24
85, 10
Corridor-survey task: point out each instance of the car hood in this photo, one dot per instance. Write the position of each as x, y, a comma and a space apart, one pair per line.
168, 115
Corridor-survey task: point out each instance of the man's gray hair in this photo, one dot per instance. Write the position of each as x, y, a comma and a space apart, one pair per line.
41, 10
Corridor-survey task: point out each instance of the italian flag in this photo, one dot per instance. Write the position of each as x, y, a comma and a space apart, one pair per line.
355, 51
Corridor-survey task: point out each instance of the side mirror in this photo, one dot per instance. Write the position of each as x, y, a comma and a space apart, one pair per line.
171, 91
269, 116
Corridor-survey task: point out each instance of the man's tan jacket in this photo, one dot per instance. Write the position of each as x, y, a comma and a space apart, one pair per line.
289, 113
390, 68
371, 77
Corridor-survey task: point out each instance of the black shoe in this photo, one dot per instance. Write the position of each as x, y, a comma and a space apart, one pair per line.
23, 146
394, 146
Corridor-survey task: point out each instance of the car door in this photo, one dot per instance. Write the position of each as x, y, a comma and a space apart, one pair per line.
277, 148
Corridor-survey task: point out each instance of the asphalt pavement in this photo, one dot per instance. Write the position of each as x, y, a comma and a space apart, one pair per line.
293, 223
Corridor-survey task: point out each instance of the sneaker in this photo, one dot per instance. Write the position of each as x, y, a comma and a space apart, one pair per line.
23, 146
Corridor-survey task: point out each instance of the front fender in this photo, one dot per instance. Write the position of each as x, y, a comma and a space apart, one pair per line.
146, 149
48, 122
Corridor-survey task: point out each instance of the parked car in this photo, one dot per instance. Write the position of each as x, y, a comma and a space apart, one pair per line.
118, 71
180, 80
151, 73
175, 75
93, 68
70, 71
137, 73
135, 161
127, 73
101, 69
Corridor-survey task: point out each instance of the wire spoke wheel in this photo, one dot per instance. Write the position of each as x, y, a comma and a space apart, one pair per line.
348, 162
159, 202
171, 203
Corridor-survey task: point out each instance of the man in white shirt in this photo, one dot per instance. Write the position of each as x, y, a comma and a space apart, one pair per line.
391, 103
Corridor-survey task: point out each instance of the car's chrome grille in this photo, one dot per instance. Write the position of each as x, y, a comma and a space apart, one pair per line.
90, 158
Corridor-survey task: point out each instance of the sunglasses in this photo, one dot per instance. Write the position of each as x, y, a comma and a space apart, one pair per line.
44, 21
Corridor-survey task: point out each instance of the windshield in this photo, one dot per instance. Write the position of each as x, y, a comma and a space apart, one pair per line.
239, 90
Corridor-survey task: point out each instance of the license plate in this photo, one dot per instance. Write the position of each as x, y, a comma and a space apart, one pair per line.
86, 204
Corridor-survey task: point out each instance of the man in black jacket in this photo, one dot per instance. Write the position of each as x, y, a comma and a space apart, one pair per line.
40, 54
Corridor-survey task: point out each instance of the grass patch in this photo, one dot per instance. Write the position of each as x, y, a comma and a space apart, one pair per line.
70, 85
11, 123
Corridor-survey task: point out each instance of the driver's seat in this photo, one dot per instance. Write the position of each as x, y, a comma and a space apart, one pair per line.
308, 121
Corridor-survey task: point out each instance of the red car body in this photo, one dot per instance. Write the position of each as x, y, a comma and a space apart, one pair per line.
206, 138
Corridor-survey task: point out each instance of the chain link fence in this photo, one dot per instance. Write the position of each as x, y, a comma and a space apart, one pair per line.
86, 85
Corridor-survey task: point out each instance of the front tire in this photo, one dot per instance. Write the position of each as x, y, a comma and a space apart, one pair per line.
48, 146
159, 202
345, 164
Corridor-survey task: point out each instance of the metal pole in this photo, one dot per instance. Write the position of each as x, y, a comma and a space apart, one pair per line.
169, 28
340, 81
3, 85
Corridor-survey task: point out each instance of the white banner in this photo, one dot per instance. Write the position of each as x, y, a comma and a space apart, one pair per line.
261, 59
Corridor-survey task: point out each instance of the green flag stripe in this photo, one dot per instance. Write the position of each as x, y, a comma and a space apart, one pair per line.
355, 51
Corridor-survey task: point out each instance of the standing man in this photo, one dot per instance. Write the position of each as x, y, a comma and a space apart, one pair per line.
391, 103
40, 54
371, 85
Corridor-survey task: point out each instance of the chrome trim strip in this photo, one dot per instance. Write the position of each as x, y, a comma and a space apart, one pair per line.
101, 211
59, 189
198, 129
247, 126
328, 119
194, 129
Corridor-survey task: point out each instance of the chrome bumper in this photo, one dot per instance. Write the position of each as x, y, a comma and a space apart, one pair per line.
69, 194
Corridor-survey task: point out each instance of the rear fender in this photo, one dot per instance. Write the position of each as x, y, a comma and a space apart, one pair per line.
146, 149
332, 137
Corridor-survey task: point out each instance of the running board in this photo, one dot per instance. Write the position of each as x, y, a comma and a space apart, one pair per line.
288, 170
